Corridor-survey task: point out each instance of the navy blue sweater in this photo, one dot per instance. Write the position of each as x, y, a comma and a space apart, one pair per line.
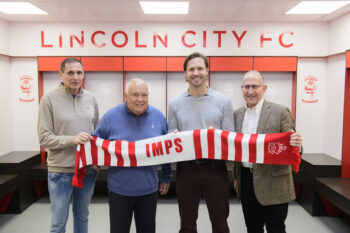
121, 124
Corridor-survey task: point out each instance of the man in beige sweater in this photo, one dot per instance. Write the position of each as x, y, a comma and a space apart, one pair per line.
67, 117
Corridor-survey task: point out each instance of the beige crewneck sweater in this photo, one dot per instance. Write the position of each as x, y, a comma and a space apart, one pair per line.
61, 117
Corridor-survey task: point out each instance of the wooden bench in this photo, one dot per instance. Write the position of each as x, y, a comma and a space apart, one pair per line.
8, 183
14, 167
39, 173
336, 191
315, 165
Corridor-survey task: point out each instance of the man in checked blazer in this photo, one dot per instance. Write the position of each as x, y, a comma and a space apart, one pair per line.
264, 190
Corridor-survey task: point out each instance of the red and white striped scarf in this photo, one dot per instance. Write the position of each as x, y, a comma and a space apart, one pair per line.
187, 145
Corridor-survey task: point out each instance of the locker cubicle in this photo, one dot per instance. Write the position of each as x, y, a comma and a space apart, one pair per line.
106, 77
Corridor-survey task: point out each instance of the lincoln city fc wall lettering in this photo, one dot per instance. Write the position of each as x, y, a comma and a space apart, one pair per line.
188, 39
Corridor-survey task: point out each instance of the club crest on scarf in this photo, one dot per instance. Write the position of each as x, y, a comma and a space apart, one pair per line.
276, 148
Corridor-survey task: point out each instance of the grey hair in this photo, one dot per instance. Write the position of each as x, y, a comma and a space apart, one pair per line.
69, 60
254, 73
134, 79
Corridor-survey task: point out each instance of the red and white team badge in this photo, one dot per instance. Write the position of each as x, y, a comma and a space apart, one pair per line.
276, 148
310, 88
26, 87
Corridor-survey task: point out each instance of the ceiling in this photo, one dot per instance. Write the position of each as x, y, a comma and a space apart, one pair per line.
200, 11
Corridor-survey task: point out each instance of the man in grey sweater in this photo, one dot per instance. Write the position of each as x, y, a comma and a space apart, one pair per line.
67, 117
201, 107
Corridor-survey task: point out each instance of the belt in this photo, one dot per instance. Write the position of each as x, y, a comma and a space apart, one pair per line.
248, 169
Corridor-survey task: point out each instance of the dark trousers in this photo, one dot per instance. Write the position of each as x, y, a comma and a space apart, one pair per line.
209, 179
121, 209
257, 215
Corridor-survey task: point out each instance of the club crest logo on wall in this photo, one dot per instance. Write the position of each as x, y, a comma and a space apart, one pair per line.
310, 88
26, 88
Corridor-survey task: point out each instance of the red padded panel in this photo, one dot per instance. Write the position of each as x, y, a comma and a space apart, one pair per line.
275, 63
175, 63
144, 63
50, 63
102, 63
231, 63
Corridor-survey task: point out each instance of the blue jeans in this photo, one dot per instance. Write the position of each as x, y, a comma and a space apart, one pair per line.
61, 192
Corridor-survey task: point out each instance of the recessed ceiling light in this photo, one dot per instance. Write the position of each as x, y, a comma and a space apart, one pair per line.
164, 7
19, 8
317, 7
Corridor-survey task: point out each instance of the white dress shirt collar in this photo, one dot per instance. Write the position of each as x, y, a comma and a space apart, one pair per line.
257, 108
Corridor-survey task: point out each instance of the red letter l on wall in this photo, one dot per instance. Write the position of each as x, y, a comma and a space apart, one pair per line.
43, 45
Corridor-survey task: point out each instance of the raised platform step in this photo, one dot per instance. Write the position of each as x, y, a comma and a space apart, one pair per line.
17, 164
8, 183
336, 191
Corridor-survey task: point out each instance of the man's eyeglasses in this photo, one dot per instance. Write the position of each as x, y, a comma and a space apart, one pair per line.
254, 87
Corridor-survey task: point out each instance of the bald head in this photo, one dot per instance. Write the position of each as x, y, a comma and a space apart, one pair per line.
253, 88
136, 96
254, 74
133, 82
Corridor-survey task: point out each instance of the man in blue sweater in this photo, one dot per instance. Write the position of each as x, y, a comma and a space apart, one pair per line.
134, 190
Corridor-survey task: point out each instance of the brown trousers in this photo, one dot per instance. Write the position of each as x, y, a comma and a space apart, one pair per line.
210, 180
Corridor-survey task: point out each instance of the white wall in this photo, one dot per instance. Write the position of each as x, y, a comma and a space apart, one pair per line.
308, 39
4, 39
310, 115
279, 86
24, 114
176, 85
339, 35
5, 106
107, 87
334, 110
50, 81
228, 83
156, 82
